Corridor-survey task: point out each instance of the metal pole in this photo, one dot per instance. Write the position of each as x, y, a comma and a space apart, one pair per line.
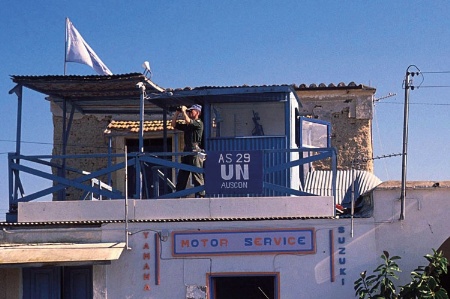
141, 118
141, 86
109, 159
13, 187
165, 149
405, 143
352, 207
65, 45
126, 199
62, 192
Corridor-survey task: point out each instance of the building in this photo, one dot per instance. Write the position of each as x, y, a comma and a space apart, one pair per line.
273, 233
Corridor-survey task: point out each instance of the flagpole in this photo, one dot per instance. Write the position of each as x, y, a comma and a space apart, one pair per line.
65, 45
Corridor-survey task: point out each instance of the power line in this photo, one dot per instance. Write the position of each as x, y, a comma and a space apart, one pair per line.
419, 103
32, 142
433, 86
436, 72
57, 144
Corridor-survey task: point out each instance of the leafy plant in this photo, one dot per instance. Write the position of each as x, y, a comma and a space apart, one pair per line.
425, 280
379, 284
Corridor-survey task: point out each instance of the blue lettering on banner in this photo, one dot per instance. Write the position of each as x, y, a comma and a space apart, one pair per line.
298, 241
234, 172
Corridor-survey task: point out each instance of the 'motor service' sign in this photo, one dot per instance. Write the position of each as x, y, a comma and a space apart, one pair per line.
234, 172
298, 241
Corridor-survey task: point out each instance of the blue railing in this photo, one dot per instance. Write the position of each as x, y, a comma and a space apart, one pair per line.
162, 167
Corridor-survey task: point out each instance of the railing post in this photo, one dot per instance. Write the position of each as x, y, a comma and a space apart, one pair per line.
138, 185
11, 216
14, 185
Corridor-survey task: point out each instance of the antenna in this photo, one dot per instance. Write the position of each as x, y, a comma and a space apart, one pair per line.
364, 160
391, 94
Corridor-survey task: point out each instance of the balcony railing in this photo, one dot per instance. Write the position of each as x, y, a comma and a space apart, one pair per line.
156, 173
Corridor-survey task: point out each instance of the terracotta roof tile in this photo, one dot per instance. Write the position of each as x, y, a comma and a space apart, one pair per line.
340, 85
133, 126
302, 86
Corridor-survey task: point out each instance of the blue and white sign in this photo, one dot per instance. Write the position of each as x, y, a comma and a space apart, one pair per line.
299, 241
234, 172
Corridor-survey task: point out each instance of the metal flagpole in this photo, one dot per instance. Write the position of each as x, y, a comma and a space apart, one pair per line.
65, 45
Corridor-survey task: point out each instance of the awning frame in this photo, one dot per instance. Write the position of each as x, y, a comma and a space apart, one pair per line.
38, 254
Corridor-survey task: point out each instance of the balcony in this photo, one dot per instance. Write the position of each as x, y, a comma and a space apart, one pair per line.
155, 198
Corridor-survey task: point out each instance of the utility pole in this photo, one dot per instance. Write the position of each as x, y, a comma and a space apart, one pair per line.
408, 85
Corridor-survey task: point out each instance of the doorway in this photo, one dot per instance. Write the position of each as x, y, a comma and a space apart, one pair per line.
244, 285
151, 184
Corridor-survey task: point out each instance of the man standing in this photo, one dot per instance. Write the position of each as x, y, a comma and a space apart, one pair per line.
193, 133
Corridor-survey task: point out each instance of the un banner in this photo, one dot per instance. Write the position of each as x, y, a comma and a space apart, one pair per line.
234, 172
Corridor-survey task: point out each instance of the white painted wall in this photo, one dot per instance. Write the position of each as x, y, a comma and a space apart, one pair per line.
425, 227
343, 248
300, 275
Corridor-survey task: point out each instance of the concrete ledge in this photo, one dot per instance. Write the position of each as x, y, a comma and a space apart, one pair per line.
82, 210
304, 206
178, 209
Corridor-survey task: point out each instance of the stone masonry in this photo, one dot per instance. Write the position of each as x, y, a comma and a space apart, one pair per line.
349, 109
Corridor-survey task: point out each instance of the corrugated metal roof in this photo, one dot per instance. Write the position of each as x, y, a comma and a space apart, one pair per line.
93, 94
118, 94
320, 183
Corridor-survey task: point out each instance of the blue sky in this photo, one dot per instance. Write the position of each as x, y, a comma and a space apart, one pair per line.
235, 42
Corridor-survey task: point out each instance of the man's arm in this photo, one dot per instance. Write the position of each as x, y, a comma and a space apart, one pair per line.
187, 119
184, 114
174, 119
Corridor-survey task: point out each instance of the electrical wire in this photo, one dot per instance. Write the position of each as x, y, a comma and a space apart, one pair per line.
434, 86
435, 72
418, 103
59, 144
380, 141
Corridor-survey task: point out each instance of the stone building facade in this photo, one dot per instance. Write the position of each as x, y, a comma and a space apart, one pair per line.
349, 109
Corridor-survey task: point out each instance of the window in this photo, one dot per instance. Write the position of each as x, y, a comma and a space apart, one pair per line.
57, 282
245, 285
247, 119
314, 133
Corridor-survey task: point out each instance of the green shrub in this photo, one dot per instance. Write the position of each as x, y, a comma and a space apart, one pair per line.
425, 281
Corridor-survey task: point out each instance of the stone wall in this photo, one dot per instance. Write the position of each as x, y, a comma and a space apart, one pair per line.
350, 112
85, 137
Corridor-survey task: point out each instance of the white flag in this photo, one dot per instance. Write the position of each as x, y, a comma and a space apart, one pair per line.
79, 51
